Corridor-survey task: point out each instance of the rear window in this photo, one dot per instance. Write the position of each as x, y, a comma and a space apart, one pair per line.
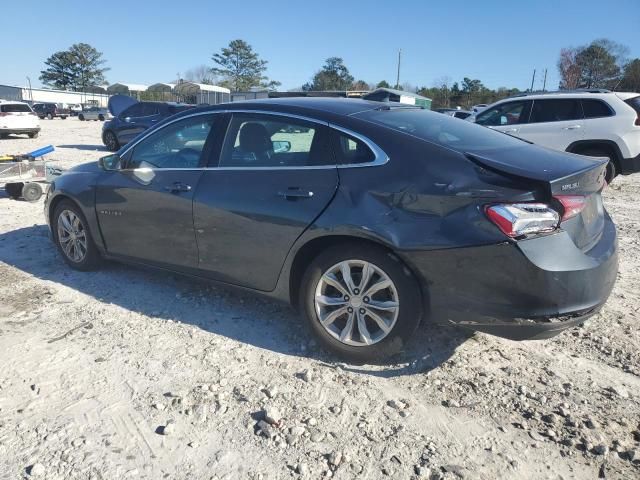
596, 109
442, 129
14, 108
635, 104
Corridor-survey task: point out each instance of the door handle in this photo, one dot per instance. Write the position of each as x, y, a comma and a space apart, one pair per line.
510, 130
178, 187
572, 127
294, 193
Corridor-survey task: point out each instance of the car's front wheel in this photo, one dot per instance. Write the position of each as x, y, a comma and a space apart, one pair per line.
110, 141
361, 301
81, 117
73, 238
49, 116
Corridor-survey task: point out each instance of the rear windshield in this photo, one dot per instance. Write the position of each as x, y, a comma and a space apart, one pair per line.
14, 107
635, 104
442, 129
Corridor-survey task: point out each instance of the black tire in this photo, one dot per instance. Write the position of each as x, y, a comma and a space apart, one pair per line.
110, 141
34, 135
41, 118
409, 299
101, 117
91, 259
612, 171
31, 192
63, 118
14, 190
49, 116
81, 117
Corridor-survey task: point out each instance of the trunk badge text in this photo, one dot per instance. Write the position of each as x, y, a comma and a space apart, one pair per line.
570, 186
114, 213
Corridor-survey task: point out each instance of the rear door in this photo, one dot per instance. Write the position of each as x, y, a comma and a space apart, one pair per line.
554, 123
275, 175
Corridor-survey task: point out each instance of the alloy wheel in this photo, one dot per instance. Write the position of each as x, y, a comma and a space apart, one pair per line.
111, 142
356, 303
72, 236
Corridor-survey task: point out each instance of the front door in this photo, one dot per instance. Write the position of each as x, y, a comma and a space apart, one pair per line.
275, 176
145, 210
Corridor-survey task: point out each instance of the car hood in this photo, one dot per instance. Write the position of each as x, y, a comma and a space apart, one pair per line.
118, 103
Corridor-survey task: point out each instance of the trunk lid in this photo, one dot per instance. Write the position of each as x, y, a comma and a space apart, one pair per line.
558, 174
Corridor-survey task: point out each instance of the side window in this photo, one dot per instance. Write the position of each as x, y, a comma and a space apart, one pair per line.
596, 109
257, 140
178, 145
555, 111
134, 110
509, 113
149, 109
351, 150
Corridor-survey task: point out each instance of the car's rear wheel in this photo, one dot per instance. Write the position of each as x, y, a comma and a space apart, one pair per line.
49, 116
81, 117
110, 141
73, 238
361, 301
101, 117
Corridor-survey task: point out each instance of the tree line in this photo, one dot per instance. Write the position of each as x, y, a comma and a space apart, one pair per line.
601, 64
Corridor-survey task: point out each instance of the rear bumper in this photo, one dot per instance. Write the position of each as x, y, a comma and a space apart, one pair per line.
532, 289
19, 130
630, 165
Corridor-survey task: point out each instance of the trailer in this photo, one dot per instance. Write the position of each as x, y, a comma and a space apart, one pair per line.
23, 176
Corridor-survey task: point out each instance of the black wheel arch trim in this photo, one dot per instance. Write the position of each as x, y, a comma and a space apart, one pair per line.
596, 143
88, 211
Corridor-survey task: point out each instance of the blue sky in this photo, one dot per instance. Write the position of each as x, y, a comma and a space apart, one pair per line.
498, 42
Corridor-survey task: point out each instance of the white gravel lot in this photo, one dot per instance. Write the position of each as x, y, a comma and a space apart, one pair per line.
125, 373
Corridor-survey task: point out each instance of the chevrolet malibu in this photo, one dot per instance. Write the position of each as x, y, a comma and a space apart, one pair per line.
367, 217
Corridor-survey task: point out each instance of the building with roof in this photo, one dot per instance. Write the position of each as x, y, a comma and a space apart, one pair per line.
198, 93
94, 95
131, 89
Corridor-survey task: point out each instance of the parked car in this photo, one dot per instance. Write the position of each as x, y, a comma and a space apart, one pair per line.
598, 123
478, 108
454, 112
18, 118
130, 118
75, 109
367, 217
94, 113
50, 111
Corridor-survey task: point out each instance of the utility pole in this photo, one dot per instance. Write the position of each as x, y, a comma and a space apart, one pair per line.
398, 77
533, 79
30, 90
544, 83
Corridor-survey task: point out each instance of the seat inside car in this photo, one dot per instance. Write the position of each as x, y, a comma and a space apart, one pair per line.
254, 147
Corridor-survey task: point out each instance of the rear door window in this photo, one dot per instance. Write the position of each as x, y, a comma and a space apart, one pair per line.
352, 151
509, 113
556, 110
596, 109
149, 109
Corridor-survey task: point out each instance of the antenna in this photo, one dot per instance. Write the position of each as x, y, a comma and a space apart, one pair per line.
533, 79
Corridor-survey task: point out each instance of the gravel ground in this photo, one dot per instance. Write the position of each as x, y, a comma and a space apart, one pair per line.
125, 373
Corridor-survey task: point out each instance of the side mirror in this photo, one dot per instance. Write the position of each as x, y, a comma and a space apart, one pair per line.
281, 146
110, 162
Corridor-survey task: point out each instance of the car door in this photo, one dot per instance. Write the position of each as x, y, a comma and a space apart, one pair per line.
128, 127
554, 122
275, 176
506, 117
145, 208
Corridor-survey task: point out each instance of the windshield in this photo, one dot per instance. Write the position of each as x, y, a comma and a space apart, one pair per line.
441, 129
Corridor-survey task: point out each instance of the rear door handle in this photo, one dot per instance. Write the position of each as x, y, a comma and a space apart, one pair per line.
178, 187
572, 127
294, 193
510, 130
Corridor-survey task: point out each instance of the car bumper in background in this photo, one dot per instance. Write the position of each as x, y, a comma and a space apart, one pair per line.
630, 165
532, 289
18, 131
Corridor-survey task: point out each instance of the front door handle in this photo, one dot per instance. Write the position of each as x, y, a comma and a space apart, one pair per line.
510, 130
178, 187
294, 193
572, 127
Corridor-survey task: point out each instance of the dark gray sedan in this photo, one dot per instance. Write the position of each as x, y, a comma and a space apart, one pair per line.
366, 216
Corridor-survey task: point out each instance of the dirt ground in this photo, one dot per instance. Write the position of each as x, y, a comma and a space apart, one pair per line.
125, 373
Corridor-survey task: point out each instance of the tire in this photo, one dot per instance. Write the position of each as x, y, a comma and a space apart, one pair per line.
14, 190
91, 258
33, 135
31, 192
110, 141
404, 292
49, 116
101, 117
63, 118
81, 117
612, 171
41, 118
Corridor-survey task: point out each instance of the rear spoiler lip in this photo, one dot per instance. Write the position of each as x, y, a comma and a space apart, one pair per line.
587, 180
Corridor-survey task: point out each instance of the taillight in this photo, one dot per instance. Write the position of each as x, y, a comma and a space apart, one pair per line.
520, 219
572, 205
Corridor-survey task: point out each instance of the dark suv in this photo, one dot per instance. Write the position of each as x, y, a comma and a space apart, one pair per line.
50, 111
135, 119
